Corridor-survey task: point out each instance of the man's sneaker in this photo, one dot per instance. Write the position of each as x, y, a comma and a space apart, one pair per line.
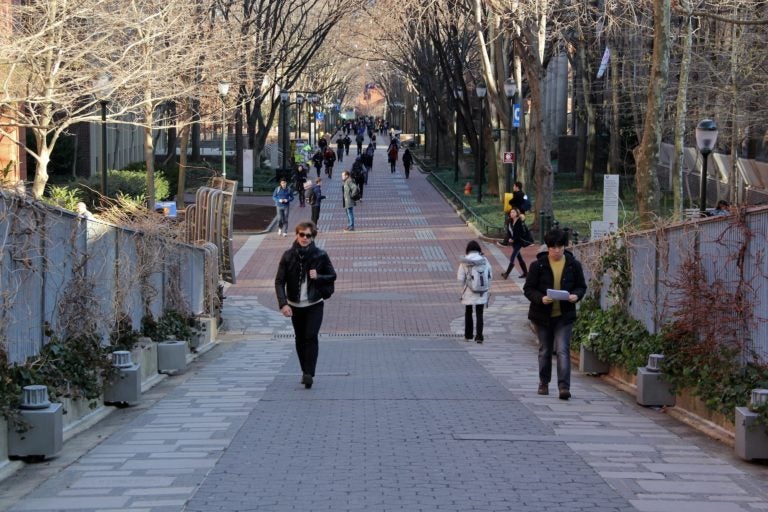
285, 233
565, 394
279, 231
543, 389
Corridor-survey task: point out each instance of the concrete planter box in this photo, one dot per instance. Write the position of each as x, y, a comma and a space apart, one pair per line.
751, 437
171, 356
145, 355
590, 363
652, 389
45, 436
205, 335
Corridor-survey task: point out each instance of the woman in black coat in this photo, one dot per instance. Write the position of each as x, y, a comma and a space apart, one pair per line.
553, 313
304, 279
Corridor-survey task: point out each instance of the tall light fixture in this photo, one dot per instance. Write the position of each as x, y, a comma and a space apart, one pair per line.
103, 92
510, 89
418, 125
481, 90
706, 137
223, 91
458, 95
283, 125
299, 102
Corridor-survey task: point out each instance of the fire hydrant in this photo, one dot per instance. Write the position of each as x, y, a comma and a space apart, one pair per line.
468, 189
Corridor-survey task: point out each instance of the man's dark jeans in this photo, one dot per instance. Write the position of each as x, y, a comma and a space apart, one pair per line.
306, 325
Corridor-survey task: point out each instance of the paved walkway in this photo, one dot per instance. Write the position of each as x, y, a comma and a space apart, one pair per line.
404, 414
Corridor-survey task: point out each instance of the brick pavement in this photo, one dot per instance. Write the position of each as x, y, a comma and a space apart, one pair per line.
404, 414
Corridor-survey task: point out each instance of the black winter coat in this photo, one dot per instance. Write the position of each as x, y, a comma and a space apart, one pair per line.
293, 264
540, 278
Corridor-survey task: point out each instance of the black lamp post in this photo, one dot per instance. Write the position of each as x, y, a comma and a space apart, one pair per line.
706, 137
458, 95
284, 95
481, 91
510, 89
104, 91
418, 125
299, 102
313, 131
223, 91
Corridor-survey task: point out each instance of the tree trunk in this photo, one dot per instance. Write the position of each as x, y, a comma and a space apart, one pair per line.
149, 151
195, 130
41, 170
647, 153
681, 109
182, 185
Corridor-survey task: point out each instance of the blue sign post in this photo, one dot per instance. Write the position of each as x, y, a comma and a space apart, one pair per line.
516, 115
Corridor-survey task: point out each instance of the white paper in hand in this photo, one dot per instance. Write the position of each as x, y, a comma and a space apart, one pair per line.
558, 294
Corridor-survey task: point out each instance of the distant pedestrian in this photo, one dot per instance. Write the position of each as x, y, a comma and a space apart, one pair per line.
367, 160
519, 198
347, 142
328, 159
305, 277
723, 208
315, 197
519, 237
373, 139
299, 178
282, 196
349, 192
323, 143
555, 269
475, 275
317, 160
359, 139
358, 175
392, 156
340, 149
407, 162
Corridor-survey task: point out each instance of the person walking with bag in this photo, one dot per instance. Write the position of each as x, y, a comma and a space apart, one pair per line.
304, 280
407, 162
349, 195
315, 198
475, 274
520, 236
392, 151
555, 270
282, 196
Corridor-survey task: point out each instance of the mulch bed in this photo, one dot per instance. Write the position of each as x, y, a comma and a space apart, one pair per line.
252, 217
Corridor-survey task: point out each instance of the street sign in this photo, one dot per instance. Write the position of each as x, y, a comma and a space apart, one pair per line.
509, 157
319, 116
516, 115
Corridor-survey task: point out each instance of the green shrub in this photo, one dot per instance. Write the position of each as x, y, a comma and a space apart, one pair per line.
172, 325
128, 183
64, 196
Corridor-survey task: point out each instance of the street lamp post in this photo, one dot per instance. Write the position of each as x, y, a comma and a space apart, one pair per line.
313, 131
284, 95
418, 125
510, 89
706, 137
481, 91
104, 104
299, 101
223, 91
458, 95
104, 91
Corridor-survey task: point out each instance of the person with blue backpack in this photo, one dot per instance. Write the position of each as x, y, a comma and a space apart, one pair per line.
475, 274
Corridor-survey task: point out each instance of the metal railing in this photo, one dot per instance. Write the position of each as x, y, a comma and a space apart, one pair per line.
465, 211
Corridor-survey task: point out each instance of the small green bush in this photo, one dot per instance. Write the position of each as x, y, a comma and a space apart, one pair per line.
64, 196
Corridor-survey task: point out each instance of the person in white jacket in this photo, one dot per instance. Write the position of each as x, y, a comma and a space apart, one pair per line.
474, 296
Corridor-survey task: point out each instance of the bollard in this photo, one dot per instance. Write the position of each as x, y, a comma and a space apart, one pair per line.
542, 225
575, 237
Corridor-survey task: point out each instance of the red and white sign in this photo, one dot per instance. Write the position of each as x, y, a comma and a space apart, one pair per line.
509, 157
